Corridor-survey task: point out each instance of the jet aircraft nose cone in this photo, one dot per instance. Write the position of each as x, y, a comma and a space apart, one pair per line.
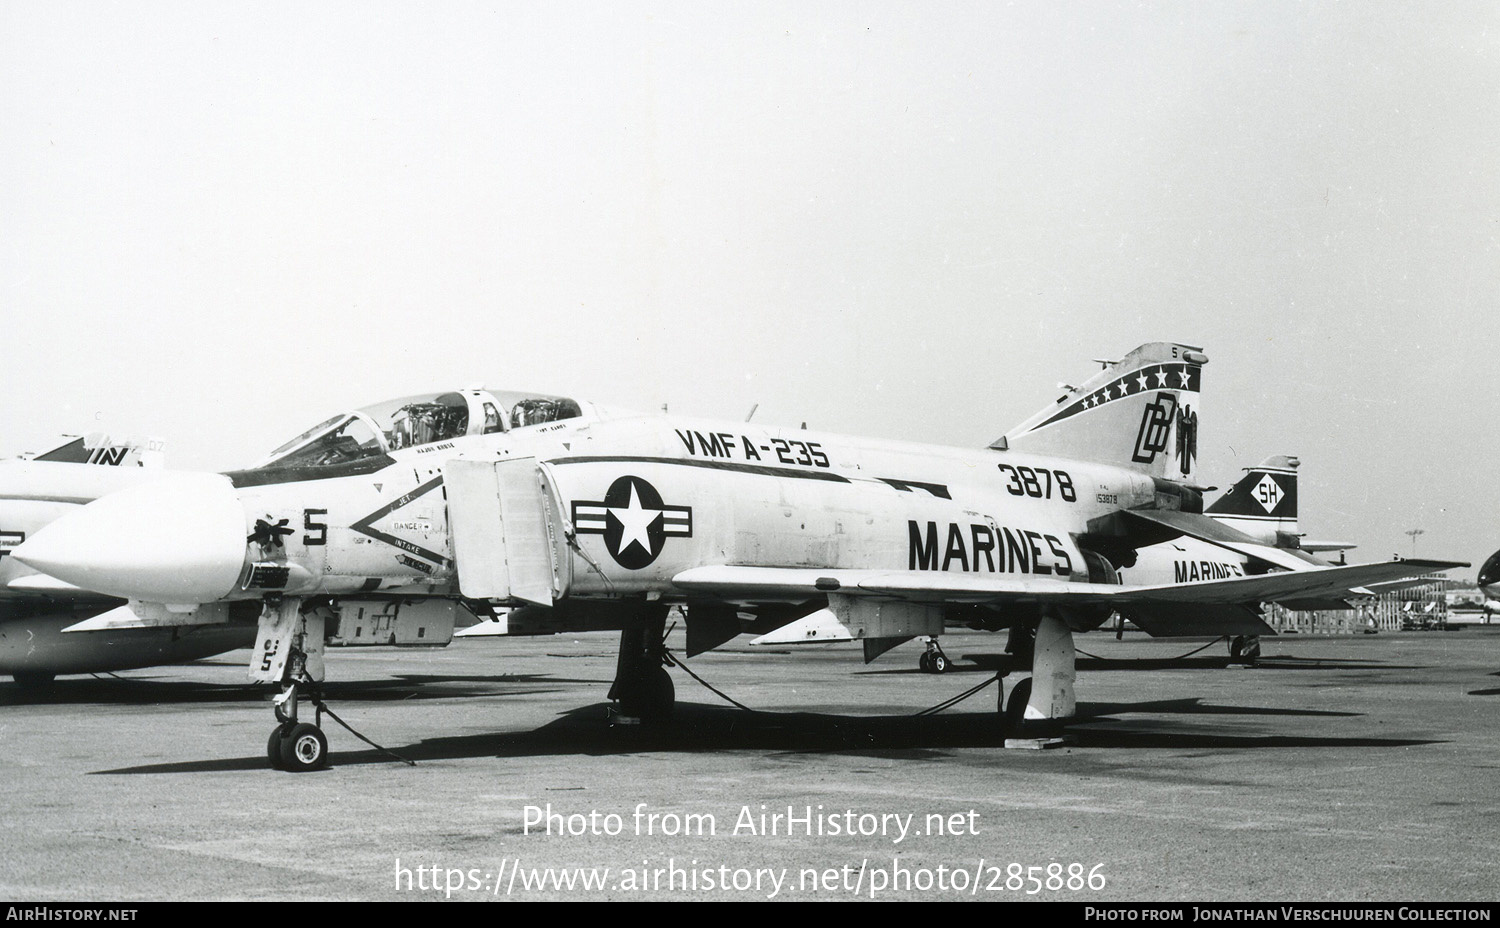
1489, 575
178, 540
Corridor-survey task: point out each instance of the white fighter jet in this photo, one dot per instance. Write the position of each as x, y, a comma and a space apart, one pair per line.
597, 520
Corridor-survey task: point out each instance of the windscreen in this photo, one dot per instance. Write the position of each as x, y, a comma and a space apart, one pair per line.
411, 421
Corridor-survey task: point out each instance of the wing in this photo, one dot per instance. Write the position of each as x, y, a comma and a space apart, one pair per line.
1210, 607
1216, 533
795, 584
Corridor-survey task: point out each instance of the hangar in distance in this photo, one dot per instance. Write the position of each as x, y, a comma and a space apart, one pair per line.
592, 519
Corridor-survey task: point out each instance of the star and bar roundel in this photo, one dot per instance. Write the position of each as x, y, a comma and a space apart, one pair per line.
634, 521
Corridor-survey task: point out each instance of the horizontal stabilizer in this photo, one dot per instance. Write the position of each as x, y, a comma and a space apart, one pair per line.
1180, 620
1206, 529
1318, 547
1324, 605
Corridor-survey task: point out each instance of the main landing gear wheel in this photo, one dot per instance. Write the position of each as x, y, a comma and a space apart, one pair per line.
649, 698
1015, 709
304, 748
643, 691
1244, 649
933, 660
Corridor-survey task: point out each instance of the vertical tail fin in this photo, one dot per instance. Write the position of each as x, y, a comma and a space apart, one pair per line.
1139, 412
96, 448
1263, 503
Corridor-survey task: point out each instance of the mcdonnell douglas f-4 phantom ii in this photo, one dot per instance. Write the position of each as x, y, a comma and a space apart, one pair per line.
593, 520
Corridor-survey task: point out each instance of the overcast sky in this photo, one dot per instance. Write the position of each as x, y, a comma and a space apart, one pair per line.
221, 223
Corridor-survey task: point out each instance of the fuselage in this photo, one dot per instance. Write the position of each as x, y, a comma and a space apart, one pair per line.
1185, 560
643, 499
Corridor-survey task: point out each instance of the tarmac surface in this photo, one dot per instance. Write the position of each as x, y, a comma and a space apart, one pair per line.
1340, 769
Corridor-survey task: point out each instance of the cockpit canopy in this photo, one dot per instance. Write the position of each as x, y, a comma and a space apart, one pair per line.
410, 421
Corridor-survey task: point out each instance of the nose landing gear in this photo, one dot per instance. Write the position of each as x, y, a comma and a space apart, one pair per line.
289, 650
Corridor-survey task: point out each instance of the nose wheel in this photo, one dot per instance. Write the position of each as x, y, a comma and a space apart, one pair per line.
296, 747
273, 747
289, 651
302, 748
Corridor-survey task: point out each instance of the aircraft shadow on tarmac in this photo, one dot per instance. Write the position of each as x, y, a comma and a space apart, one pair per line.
697, 728
1194, 706
136, 691
990, 663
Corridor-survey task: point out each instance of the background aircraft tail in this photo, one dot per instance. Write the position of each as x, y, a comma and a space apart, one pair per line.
96, 448
1139, 412
1263, 503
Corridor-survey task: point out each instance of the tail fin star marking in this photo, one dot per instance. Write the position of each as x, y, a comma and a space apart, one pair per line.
1160, 376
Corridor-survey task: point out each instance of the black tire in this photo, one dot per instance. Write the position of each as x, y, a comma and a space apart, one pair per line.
925, 662
273, 747
939, 663
652, 698
33, 679
304, 748
1250, 650
1015, 709
1021, 645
